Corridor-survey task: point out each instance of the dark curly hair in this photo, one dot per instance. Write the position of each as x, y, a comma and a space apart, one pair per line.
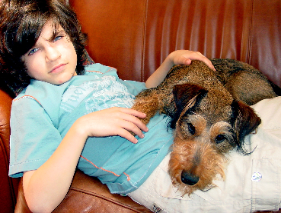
21, 22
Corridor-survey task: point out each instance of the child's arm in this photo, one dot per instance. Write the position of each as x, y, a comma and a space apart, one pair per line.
175, 58
46, 187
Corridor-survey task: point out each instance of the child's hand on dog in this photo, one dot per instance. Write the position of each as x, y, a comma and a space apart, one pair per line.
175, 58
113, 121
186, 56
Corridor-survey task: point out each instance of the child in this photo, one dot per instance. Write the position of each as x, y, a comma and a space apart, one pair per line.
68, 116
62, 110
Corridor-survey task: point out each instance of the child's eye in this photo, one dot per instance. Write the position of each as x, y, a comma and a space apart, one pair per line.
58, 38
32, 51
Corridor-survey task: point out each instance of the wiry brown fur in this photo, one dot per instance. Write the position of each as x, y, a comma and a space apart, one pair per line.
210, 114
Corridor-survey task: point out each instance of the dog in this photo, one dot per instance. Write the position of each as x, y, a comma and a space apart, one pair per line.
210, 113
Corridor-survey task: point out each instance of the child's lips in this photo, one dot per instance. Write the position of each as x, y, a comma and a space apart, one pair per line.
58, 68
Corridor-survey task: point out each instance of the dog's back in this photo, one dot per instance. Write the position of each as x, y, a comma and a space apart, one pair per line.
243, 81
231, 80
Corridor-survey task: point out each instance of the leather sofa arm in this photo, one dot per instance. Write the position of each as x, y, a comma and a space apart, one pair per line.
87, 194
8, 186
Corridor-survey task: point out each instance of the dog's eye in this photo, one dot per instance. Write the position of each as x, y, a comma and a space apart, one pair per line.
191, 128
220, 139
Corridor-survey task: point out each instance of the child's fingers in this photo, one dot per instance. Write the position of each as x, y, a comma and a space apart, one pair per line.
130, 128
134, 121
201, 57
187, 61
114, 121
127, 135
133, 112
129, 122
209, 63
186, 56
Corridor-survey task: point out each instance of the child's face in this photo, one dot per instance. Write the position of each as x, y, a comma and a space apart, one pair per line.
52, 59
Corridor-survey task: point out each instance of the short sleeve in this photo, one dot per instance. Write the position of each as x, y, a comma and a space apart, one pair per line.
33, 136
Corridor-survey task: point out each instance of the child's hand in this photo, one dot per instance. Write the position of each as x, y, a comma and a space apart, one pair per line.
113, 121
186, 56
175, 58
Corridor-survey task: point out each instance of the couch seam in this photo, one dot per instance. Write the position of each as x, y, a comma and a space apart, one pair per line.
144, 40
249, 54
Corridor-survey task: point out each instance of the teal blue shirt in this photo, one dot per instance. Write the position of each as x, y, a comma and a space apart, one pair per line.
43, 113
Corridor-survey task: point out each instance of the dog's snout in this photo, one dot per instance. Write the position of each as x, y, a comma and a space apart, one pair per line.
188, 178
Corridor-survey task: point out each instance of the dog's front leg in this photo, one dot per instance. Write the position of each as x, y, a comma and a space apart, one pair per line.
148, 103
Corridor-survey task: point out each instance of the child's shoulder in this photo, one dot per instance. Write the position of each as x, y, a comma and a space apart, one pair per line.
39, 92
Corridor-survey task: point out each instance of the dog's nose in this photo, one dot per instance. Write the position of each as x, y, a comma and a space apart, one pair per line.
188, 178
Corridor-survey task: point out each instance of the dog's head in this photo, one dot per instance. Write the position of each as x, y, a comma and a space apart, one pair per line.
204, 134
226, 125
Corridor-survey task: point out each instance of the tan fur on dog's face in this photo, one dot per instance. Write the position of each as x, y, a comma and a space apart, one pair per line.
200, 160
205, 116
203, 135
195, 127
198, 150
209, 123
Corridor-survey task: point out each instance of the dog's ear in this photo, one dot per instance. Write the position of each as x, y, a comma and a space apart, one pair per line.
186, 97
185, 92
244, 121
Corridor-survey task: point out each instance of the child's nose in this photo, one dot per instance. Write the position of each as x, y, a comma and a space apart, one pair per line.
52, 53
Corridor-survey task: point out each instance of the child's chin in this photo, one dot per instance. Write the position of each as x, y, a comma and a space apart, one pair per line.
63, 80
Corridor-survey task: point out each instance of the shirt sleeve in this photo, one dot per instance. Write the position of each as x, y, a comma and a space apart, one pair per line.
33, 136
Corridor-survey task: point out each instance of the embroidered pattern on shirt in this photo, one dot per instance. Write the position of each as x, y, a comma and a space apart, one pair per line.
110, 93
103, 92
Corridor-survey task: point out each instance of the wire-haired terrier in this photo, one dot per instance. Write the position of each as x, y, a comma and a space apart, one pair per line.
210, 113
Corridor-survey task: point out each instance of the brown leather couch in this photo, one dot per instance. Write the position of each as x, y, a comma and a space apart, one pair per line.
135, 36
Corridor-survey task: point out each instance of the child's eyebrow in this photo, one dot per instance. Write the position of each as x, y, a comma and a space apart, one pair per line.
56, 32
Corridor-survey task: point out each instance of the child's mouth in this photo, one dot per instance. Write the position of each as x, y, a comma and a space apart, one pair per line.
58, 68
